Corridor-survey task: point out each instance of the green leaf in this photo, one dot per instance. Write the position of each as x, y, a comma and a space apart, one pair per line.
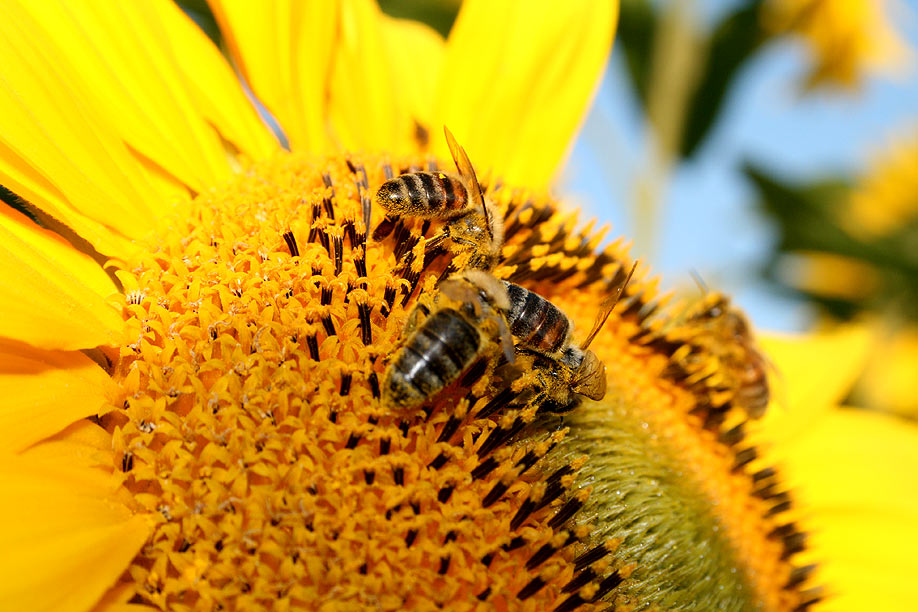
636, 27
438, 14
810, 217
734, 40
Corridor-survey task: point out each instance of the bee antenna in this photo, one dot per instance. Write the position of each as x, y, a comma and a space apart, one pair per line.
699, 281
606, 309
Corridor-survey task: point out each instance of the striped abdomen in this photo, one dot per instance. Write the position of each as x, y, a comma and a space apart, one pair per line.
433, 357
537, 324
424, 194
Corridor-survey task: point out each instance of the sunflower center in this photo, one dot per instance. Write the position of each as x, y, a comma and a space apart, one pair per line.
260, 328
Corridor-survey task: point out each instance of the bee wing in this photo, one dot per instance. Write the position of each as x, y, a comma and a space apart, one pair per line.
461, 291
592, 382
506, 340
466, 171
606, 309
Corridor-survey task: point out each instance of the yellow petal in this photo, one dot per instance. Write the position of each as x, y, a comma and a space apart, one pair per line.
856, 476
813, 374
42, 392
889, 382
415, 54
365, 110
54, 297
58, 150
284, 50
517, 79
65, 536
142, 84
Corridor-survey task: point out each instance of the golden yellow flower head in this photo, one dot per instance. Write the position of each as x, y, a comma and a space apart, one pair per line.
848, 39
211, 432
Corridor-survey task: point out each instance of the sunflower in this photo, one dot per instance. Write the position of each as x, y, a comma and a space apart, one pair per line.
197, 327
848, 39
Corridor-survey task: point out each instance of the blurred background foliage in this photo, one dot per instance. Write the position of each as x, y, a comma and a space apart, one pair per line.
841, 242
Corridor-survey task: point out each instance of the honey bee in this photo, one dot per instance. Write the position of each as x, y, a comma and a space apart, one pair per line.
473, 224
725, 333
545, 332
439, 344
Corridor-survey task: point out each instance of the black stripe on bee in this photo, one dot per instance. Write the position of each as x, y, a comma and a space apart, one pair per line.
536, 322
436, 354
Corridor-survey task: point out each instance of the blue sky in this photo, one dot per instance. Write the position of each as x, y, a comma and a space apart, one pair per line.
710, 224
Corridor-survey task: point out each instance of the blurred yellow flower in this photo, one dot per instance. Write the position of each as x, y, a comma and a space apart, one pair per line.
848, 39
195, 332
855, 474
886, 197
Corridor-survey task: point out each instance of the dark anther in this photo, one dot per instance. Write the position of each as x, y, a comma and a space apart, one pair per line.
444, 494
290, 239
513, 544
384, 444
398, 474
338, 243
484, 468
531, 589
345, 384
444, 565
374, 385
591, 556
570, 604
609, 583
409, 538
449, 428
366, 331
497, 403
494, 494
439, 461
127, 462
369, 476
313, 346
522, 514
540, 556
352, 441
566, 512
484, 594
486, 560
328, 325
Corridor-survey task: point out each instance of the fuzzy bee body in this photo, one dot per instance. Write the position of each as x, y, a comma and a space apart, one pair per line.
472, 223
466, 319
429, 195
564, 371
728, 335
538, 324
432, 358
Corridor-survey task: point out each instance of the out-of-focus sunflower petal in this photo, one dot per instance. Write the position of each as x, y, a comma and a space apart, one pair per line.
54, 296
42, 392
415, 54
141, 86
65, 536
284, 50
517, 79
57, 148
856, 473
813, 374
366, 107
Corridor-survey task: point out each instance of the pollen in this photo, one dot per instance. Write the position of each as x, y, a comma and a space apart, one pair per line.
259, 330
